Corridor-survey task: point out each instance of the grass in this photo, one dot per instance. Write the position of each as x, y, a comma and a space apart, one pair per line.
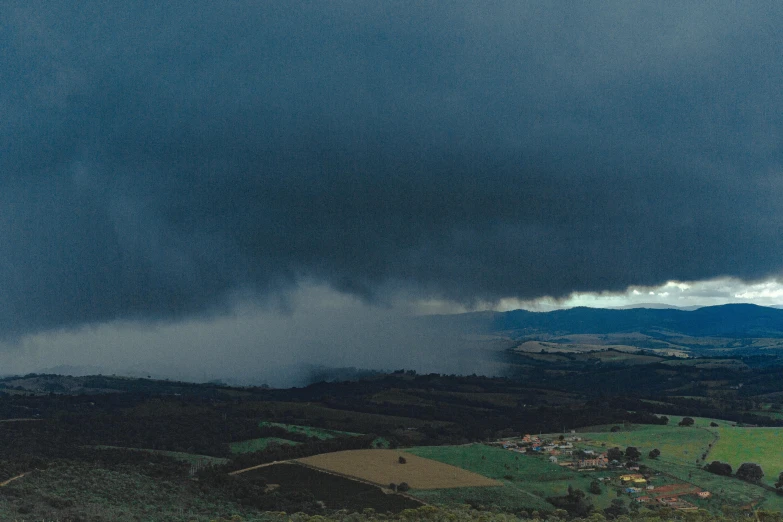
527, 480
681, 446
380, 443
260, 444
725, 490
309, 431
759, 445
769, 413
677, 444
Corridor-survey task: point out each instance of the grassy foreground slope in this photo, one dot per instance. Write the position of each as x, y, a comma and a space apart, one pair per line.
72, 491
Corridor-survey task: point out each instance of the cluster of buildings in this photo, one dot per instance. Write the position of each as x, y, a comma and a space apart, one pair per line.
635, 483
589, 459
533, 443
558, 450
562, 452
671, 496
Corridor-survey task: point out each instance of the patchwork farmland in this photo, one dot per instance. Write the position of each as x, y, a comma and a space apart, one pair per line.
384, 467
526, 480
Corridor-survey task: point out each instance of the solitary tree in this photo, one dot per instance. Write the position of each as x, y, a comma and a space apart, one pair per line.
614, 454
654, 454
750, 472
595, 488
401, 460
686, 421
632, 453
719, 468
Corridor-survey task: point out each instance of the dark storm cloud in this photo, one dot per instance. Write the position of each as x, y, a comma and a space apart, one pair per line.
158, 160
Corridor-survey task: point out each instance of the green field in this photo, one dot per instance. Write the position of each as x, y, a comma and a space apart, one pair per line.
309, 431
260, 444
677, 444
760, 445
769, 413
532, 478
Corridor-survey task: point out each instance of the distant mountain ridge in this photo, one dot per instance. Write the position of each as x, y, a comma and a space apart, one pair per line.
730, 320
658, 306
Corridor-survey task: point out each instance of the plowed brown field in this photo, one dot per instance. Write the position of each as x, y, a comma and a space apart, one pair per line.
382, 467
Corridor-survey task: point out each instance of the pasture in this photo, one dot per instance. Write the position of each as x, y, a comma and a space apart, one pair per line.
677, 444
759, 445
308, 431
382, 467
260, 444
527, 480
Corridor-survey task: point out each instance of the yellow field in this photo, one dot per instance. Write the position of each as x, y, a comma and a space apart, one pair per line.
381, 467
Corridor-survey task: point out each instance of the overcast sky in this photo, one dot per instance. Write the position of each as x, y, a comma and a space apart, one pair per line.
172, 164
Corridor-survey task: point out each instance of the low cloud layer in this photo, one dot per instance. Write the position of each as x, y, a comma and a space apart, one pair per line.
321, 331
162, 162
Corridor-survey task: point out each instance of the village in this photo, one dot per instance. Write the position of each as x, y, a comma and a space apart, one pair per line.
642, 484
